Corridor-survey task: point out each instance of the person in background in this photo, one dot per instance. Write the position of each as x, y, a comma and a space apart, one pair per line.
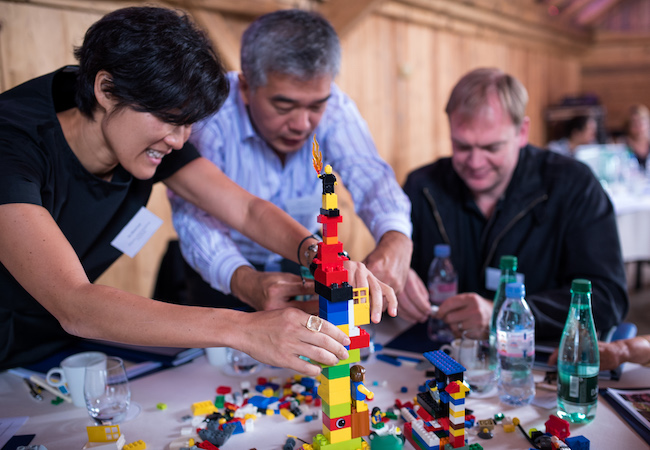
613, 354
580, 130
262, 139
79, 151
498, 195
637, 134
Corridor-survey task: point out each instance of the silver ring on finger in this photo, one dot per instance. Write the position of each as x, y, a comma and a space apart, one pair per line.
314, 323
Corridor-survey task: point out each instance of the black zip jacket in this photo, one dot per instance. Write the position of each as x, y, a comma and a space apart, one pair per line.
555, 217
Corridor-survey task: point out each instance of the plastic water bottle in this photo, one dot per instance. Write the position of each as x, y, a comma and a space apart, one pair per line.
515, 348
508, 266
578, 360
442, 284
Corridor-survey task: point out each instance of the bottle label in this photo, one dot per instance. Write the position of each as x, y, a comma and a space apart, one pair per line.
516, 344
439, 292
577, 389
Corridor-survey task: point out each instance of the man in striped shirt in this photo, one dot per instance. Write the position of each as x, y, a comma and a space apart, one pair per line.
261, 138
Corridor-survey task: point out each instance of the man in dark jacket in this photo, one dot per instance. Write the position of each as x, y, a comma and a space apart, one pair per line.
496, 195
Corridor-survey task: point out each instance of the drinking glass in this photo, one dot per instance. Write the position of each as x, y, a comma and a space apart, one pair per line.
107, 392
478, 359
239, 363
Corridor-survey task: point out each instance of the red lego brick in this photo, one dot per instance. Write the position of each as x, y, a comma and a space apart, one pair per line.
337, 423
224, 390
361, 341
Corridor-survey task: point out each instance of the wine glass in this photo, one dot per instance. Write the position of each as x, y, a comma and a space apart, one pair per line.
107, 392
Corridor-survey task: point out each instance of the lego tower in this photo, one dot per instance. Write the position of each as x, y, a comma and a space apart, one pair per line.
345, 420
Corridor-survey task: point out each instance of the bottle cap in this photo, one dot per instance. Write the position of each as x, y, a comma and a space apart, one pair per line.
515, 290
581, 286
441, 251
508, 262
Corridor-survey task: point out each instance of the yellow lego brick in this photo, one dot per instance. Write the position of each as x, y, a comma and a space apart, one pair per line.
335, 397
330, 240
361, 306
344, 328
458, 396
204, 407
109, 445
268, 392
287, 414
336, 436
335, 384
457, 433
103, 433
330, 201
137, 445
456, 413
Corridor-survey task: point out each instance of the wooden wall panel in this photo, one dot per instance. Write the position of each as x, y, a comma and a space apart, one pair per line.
398, 68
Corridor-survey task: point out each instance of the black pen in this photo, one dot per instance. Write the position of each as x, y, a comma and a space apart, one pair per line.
34, 391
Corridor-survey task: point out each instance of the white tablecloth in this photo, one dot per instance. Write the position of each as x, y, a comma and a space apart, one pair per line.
63, 427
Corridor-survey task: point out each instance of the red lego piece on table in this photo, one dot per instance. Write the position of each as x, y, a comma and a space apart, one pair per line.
224, 390
207, 445
557, 427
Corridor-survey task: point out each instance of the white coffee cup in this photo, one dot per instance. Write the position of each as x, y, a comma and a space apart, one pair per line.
216, 356
452, 349
72, 373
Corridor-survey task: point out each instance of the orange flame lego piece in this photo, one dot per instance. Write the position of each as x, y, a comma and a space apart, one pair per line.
317, 156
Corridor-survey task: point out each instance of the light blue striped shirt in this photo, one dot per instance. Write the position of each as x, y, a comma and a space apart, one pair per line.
229, 140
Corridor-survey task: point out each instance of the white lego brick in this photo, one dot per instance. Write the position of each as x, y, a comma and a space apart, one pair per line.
457, 420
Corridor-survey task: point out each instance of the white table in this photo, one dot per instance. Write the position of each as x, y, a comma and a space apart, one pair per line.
63, 427
633, 220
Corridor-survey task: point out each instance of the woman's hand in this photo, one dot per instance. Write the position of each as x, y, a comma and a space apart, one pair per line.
280, 337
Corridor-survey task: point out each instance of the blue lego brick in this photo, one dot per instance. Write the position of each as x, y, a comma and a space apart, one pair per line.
445, 363
335, 318
261, 402
456, 401
418, 440
331, 307
577, 442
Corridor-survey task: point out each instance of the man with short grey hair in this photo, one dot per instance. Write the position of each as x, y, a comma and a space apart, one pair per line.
261, 138
498, 195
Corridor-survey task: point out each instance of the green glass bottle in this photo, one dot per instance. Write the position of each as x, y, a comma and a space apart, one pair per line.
508, 266
578, 359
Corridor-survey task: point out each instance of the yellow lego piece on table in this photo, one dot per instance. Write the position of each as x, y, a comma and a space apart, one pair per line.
205, 407
287, 414
137, 445
103, 433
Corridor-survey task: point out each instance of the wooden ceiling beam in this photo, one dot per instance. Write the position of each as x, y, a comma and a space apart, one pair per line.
595, 12
345, 14
570, 12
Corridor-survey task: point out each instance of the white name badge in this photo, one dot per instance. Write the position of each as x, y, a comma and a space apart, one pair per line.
493, 276
137, 232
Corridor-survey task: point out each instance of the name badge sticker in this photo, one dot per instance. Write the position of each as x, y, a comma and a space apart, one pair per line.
493, 276
137, 232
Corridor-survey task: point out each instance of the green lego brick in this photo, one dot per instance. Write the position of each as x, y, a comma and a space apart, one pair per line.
354, 356
339, 371
321, 443
340, 410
